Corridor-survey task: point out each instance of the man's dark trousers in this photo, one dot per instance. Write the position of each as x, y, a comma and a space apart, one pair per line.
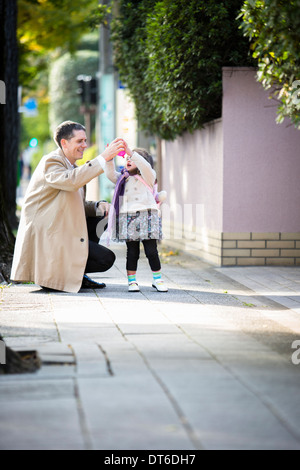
100, 258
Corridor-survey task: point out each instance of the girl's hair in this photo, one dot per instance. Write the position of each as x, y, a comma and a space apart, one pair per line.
146, 155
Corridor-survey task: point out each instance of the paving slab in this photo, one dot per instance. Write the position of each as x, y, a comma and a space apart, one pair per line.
207, 365
280, 284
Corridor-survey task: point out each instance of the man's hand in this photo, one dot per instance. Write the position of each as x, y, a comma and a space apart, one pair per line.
103, 208
113, 149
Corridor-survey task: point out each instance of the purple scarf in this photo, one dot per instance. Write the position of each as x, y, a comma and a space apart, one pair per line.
115, 209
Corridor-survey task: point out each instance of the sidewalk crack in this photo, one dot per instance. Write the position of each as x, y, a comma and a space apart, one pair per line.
107, 361
86, 435
183, 419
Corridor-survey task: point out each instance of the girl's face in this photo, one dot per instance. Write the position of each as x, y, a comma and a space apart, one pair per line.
130, 166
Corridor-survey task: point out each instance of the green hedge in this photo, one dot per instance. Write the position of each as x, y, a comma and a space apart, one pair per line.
170, 54
273, 27
64, 100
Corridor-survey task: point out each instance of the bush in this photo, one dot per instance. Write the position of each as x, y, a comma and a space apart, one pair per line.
273, 28
64, 99
37, 126
170, 54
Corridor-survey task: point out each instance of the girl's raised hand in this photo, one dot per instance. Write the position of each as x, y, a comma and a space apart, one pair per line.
127, 149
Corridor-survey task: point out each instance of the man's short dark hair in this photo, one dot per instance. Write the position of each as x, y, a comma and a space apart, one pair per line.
66, 131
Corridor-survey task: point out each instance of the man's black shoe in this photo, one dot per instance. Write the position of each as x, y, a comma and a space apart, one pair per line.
47, 289
88, 283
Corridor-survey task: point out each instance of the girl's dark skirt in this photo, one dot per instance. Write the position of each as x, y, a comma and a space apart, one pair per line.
138, 226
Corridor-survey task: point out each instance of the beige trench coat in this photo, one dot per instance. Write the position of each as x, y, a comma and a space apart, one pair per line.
52, 241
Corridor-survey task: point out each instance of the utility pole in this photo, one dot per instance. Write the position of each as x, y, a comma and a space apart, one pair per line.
88, 90
107, 92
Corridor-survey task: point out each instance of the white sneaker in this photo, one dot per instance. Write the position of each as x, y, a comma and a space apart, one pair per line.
133, 287
159, 285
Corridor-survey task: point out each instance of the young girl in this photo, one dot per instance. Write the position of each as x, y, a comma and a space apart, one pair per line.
135, 216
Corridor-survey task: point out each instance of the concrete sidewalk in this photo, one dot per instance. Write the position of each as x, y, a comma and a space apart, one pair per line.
208, 365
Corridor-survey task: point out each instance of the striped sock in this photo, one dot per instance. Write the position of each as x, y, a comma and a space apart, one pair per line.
156, 275
131, 278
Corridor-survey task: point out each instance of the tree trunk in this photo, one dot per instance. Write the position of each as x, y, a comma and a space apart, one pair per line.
10, 111
6, 242
9, 144
9, 133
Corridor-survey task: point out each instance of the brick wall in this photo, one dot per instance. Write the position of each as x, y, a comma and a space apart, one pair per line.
238, 249
260, 249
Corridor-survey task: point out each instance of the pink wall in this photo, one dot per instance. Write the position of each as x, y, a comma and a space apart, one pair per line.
261, 159
244, 168
192, 168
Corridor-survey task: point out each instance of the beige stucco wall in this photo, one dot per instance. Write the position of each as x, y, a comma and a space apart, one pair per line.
261, 159
193, 173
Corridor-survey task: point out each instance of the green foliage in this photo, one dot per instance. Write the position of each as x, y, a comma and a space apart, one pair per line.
89, 42
129, 36
65, 102
37, 126
47, 30
46, 25
43, 149
170, 55
98, 15
273, 27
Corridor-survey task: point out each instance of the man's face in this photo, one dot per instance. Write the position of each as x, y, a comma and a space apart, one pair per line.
75, 147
